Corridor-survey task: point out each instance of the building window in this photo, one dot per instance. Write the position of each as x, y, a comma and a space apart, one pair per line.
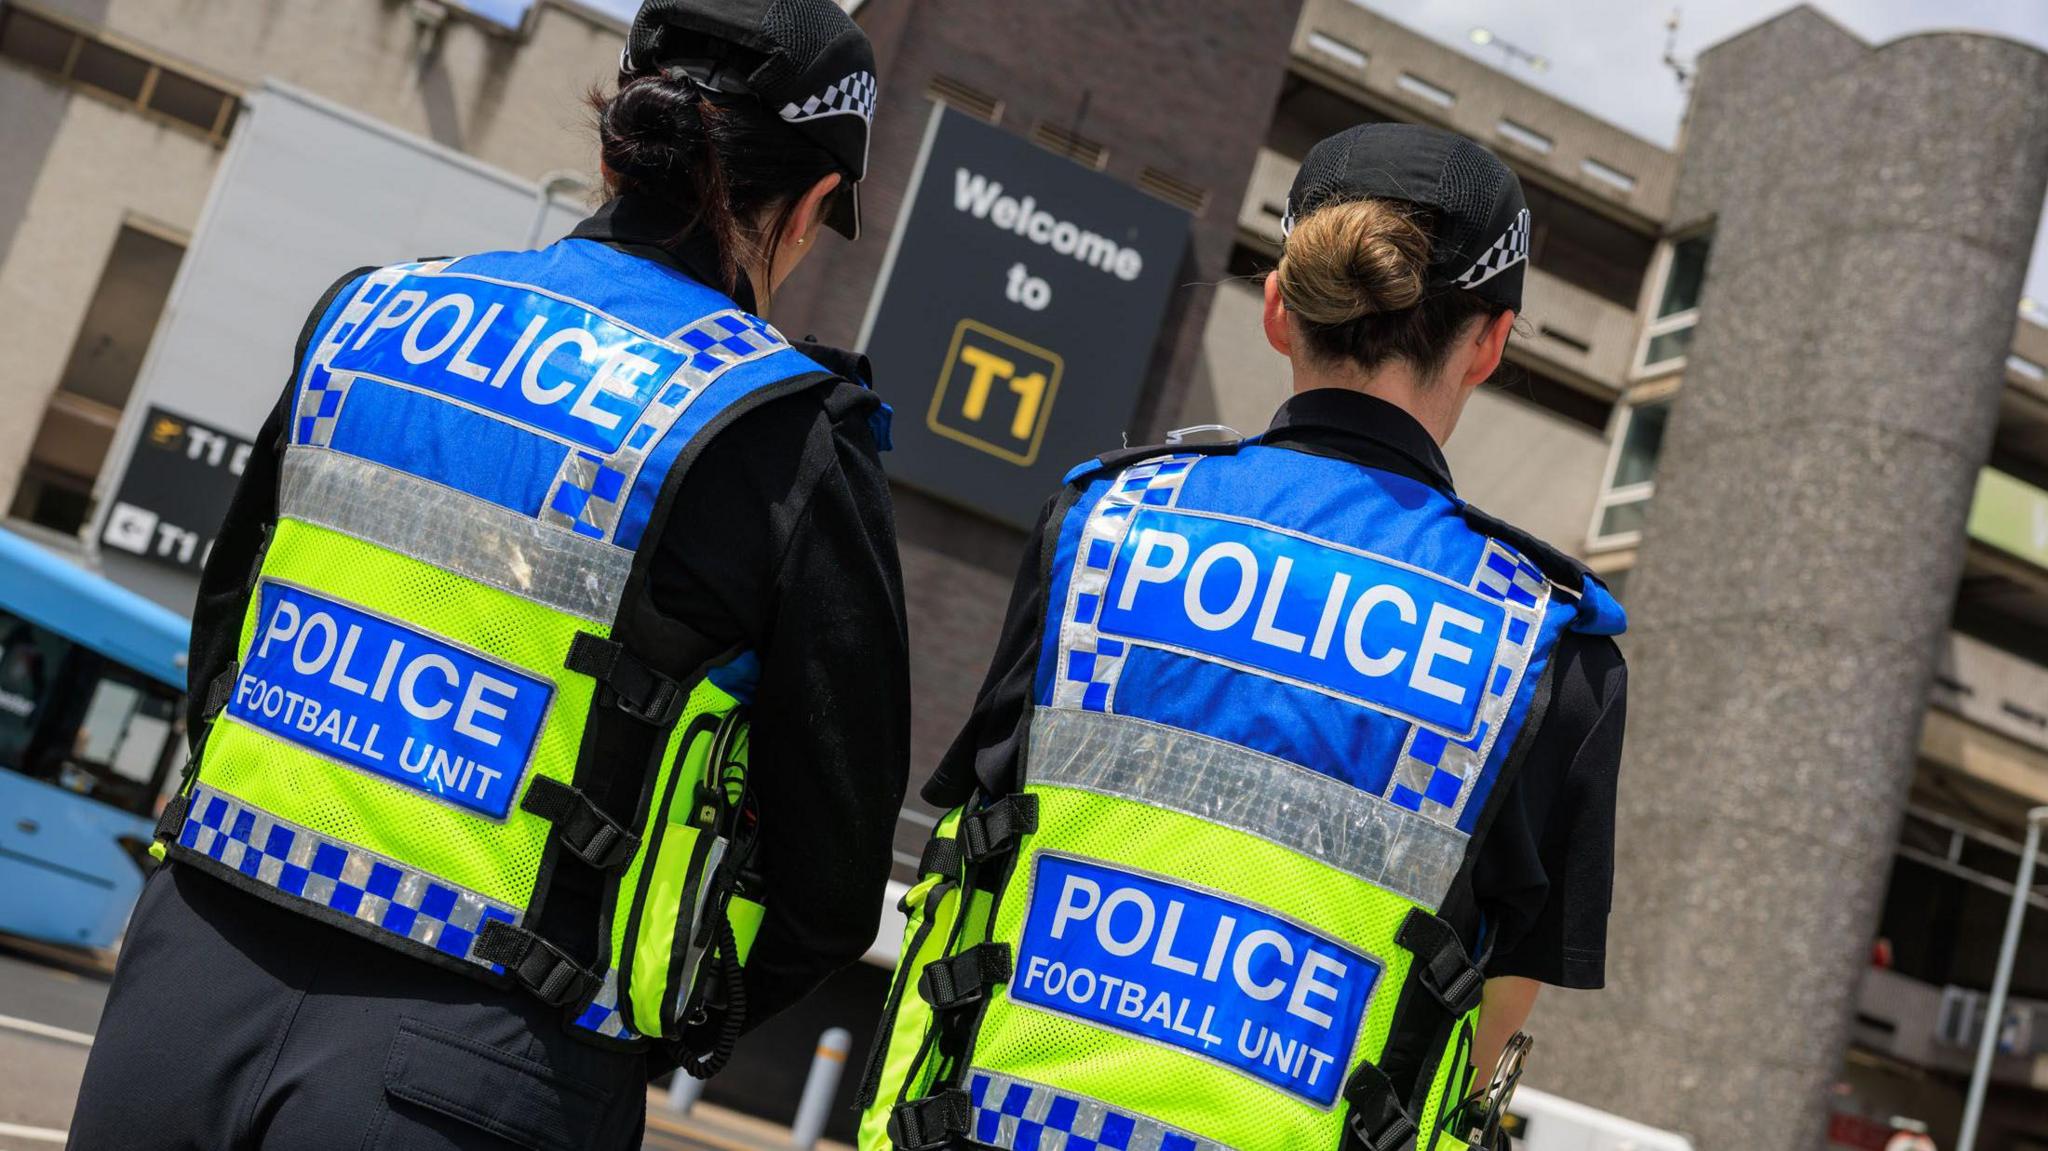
1631, 473
1526, 136
1436, 94
1349, 55
70, 447
1681, 271
149, 86
1608, 175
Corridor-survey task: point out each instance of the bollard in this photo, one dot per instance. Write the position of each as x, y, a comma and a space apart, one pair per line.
683, 1091
819, 1087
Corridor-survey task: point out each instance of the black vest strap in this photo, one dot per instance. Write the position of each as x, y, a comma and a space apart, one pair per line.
535, 964
933, 1122
1374, 1118
1454, 981
638, 690
942, 856
965, 979
172, 821
579, 826
997, 829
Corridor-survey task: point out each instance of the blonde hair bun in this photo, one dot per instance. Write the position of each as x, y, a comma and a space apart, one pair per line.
1353, 259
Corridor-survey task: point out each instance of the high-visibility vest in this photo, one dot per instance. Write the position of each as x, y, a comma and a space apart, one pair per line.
1229, 904
451, 613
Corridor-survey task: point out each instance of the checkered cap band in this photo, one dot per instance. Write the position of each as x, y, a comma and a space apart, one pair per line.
851, 94
1510, 249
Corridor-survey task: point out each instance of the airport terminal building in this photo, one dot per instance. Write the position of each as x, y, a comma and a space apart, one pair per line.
1064, 231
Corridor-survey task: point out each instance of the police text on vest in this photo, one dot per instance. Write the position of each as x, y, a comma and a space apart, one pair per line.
1224, 979
1312, 612
378, 695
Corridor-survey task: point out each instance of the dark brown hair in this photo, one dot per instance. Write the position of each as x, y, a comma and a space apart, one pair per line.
1355, 275
727, 165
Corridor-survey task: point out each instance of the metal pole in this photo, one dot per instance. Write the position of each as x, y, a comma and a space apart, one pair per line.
2001, 983
683, 1091
819, 1087
561, 178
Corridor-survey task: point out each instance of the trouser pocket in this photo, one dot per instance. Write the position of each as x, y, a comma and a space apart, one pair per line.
445, 1090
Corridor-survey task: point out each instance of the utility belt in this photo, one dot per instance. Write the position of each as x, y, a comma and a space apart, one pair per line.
1168, 941
674, 899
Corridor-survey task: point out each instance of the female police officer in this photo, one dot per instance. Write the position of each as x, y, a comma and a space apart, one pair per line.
1289, 758
476, 839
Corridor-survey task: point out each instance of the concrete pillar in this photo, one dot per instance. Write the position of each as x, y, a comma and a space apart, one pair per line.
1872, 213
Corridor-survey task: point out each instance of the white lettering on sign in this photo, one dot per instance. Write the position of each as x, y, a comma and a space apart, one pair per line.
982, 198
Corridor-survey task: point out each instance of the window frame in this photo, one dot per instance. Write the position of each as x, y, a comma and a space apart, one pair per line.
1653, 326
154, 66
1641, 492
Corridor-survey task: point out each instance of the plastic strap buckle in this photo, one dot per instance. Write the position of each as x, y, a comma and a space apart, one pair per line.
638, 690
1374, 1119
998, 828
219, 689
933, 1122
535, 964
583, 831
964, 980
1441, 965
171, 823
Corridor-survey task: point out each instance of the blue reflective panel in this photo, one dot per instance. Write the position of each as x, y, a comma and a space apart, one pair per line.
1196, 970
375, 694
1331, 617
544, 362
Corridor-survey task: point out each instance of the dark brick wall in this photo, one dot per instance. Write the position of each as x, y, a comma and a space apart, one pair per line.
1188, 88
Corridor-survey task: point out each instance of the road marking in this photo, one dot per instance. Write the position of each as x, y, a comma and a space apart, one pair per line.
31, 1027
34, 1134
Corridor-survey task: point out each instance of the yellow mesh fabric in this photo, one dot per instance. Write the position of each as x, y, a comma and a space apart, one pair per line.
1452, 1083
497, 860
659, 920
935, 901
1166, 1083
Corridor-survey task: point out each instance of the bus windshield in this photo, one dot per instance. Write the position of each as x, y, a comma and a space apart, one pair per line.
70, 716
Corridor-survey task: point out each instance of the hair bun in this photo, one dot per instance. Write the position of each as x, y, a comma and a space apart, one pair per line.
1353, 259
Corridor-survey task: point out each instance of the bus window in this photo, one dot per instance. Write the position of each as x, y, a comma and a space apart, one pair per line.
31, 659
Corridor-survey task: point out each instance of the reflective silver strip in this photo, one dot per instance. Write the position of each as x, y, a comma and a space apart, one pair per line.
335, 874
454, 531
1010, 1112
1211, 779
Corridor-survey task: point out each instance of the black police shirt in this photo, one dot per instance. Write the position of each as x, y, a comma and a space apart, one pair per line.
1545, 871
780, 538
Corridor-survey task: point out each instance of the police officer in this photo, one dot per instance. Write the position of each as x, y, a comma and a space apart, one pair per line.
1293, 774
549, 675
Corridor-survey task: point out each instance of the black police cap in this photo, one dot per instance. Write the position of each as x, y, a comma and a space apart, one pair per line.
805, 59
1478, 220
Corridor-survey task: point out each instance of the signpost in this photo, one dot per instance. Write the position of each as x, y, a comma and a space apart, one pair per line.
1015, 316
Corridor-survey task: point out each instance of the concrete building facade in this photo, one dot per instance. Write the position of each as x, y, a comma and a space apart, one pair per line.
1837, 451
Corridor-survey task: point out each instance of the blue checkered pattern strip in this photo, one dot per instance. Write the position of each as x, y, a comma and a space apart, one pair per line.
603, 1015
321, 392
360, 884
590, 491
1019, 1115
1435, 772
1090, 664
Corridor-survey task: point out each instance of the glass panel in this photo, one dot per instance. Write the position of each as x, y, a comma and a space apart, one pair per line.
112, 740
106, 67
106, 720
1668, 346
1688, 271
1620, 518
31, 659
35, 42
122, 317
1641, 444
186, 99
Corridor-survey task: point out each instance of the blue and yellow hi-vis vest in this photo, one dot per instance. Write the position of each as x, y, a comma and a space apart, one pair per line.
449, 628
1228, 906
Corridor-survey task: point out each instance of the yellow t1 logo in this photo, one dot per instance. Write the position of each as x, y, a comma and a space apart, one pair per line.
995, 393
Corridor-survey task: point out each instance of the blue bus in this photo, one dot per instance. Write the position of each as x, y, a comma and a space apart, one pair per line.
92, 681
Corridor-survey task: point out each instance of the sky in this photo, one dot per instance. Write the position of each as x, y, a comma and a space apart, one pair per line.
1607, 56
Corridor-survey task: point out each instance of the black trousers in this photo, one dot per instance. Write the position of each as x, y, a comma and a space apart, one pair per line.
236, 1024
